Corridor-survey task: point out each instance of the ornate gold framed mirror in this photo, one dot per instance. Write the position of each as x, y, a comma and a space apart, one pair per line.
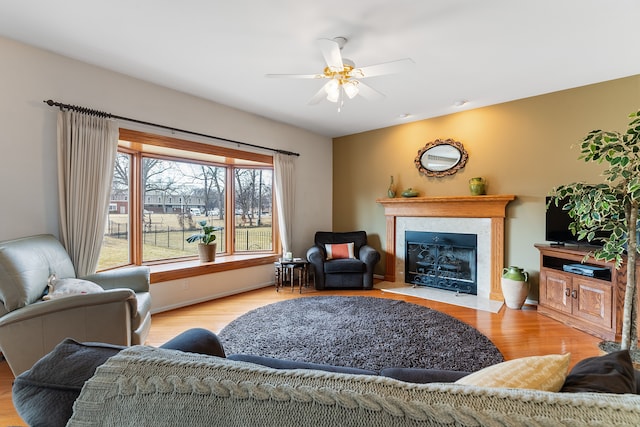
441, 158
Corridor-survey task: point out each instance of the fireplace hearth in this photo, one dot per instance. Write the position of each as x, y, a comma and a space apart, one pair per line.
441, 260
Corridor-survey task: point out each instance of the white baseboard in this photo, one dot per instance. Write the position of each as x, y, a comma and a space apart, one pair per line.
210, 297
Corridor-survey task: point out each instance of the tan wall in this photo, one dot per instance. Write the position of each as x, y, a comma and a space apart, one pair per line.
524, 147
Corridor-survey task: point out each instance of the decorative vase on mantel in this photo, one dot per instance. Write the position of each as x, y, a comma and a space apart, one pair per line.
515, 286
410, 192
477, 186
207, 253
391, 191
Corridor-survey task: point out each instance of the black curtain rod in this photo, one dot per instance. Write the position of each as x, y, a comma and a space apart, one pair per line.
113, 116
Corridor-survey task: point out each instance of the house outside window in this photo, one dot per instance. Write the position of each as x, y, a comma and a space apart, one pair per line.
172, 185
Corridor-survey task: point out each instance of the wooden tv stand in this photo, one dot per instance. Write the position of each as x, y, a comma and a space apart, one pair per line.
593, 305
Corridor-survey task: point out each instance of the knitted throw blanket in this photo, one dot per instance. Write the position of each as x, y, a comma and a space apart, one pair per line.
144, 386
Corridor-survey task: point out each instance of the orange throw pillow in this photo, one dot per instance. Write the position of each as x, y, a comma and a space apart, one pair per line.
339, 250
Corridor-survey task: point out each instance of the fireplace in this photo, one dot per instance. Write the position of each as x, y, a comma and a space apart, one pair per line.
441, 260
480, 215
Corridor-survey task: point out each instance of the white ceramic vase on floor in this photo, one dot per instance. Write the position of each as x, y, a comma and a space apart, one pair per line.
515, 292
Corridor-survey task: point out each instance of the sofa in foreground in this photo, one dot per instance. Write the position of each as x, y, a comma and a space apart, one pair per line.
144, 386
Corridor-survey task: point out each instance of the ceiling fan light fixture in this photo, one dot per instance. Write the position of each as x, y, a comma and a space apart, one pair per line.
333, 97
351, 88
333, 90
331, 86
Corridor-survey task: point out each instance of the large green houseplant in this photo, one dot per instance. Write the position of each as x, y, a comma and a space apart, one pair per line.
612, 207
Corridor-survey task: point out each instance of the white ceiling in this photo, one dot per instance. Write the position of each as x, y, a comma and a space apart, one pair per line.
486, 52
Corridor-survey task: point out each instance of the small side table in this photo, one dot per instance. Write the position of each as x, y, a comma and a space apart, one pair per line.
285, 271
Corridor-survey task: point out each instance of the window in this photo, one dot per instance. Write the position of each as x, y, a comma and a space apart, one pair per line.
172, 185
115, 247
253, 209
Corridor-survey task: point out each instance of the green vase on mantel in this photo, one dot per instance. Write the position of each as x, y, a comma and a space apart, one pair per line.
477, 186
391, 191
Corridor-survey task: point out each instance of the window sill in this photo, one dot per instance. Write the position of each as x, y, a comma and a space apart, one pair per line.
190, 268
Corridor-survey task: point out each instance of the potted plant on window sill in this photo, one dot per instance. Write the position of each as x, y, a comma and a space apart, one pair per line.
207, 245
611, 206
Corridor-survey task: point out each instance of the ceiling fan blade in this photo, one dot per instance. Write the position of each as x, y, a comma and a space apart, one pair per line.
331, 53
369, 93
296, 76
392, 67
320, 95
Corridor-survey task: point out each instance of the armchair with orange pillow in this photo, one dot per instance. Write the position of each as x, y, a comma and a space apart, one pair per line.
342, 260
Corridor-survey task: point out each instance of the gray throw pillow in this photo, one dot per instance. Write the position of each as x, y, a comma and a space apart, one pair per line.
55, 381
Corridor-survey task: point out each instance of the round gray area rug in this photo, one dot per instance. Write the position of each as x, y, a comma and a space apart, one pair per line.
362, 332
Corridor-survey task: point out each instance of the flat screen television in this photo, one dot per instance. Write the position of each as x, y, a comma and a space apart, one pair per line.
557, 230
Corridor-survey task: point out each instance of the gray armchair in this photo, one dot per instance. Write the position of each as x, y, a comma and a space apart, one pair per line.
345, 272
31, 327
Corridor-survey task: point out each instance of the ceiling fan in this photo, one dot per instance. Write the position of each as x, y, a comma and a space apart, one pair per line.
343, 75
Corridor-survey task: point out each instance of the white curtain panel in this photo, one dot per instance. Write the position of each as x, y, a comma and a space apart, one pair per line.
87, 148
284, 183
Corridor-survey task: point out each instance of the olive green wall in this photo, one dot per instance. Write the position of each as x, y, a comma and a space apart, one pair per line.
524, 147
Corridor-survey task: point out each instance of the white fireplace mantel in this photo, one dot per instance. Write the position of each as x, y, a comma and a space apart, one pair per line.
491, 206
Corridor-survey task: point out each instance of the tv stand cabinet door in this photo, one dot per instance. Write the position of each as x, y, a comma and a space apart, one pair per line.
593, 302
555, 291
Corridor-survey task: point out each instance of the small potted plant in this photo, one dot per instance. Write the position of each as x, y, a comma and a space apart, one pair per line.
207, 245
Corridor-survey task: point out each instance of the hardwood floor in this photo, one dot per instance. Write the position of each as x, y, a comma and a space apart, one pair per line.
516, 333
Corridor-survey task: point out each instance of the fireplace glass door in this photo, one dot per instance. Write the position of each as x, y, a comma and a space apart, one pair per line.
441, 260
